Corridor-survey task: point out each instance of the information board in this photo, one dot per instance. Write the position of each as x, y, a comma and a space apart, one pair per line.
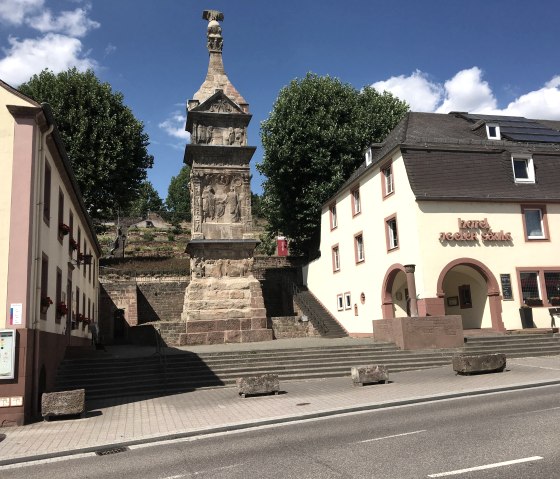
507, 293
7, 353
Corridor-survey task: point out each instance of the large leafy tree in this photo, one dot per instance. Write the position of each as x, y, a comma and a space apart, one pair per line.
148, 200
313, 140
106, 144
178, 200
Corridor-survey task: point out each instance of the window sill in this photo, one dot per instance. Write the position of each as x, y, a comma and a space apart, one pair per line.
385, 196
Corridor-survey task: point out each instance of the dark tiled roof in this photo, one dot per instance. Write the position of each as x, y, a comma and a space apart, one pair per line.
445, 158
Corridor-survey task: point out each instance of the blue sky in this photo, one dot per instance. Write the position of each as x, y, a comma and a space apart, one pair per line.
440, 55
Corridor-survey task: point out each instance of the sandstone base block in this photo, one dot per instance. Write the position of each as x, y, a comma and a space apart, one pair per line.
371, 373
212, 316
479, 363
260, 384
63, 403
426, 332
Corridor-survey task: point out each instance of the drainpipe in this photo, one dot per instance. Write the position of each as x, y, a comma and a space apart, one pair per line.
35, 298
411, 283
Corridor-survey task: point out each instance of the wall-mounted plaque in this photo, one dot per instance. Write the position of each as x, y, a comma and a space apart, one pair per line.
507, 293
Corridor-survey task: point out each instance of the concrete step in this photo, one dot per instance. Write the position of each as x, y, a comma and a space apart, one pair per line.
116, 377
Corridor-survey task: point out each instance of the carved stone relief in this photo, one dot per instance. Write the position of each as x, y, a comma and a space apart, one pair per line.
220, 198
219, 268
209, 135
221, 106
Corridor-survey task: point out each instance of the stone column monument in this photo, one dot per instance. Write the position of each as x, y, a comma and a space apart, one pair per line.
223, 302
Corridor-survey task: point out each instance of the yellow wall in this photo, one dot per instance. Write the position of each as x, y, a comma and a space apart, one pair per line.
499, 257
366, 277
59, 255
6, 160
419, 227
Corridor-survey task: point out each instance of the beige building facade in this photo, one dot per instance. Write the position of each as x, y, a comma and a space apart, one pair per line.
444, 219
48, 255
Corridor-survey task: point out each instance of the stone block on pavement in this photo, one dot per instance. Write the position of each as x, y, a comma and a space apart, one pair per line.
371, 373
479, 363
259, 384
63, 403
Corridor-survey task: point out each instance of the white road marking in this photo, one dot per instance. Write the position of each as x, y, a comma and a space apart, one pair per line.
487, 466
196, 473
389, 437
534, 366
536, 411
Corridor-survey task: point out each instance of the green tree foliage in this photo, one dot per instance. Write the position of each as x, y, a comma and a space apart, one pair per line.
106, 144
178, 196
256, 209
313, 140
148, 200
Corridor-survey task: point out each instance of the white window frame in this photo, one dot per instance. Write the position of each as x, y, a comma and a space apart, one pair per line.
333, 216
388, 179
497, 136
530, 168
339, 302
336, 258
393, 233
347, 301
356, 202
543, 232
360, 256
369, 156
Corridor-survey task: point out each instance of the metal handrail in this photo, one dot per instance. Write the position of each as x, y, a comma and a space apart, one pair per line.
317, 321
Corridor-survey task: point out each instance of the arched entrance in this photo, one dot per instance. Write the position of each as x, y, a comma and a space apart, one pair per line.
470, 289
394, 296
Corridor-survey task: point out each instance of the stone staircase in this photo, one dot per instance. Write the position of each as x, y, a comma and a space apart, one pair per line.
321, 319
104, 376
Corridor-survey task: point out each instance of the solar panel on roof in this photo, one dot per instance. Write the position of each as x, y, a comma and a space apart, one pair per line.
517, 128
533, 137
537, 131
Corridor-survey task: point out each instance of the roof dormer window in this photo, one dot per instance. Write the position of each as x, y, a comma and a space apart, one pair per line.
369, 156
523, 169
493, 131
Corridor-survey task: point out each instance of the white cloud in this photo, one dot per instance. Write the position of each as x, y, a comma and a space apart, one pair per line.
467, 91
55, 52
542, 104
73, 23
109, 49
14, 12
416, 90
175, 126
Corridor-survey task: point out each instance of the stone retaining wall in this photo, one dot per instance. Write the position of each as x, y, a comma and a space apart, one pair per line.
144, 300
285, 327
158, 301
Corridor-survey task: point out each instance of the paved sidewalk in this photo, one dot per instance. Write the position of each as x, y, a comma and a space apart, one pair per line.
139, 420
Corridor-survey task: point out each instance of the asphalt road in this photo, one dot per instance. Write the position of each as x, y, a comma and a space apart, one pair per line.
506, 435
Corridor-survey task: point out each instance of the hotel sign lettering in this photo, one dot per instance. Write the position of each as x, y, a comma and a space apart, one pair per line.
475, 230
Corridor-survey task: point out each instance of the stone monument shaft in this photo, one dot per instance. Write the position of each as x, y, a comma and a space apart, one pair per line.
223, 302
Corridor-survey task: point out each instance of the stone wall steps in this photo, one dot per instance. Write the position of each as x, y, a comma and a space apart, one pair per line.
107, 377
149, 370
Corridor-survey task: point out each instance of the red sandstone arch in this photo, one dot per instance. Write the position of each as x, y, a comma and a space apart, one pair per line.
493, 289
387, 290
